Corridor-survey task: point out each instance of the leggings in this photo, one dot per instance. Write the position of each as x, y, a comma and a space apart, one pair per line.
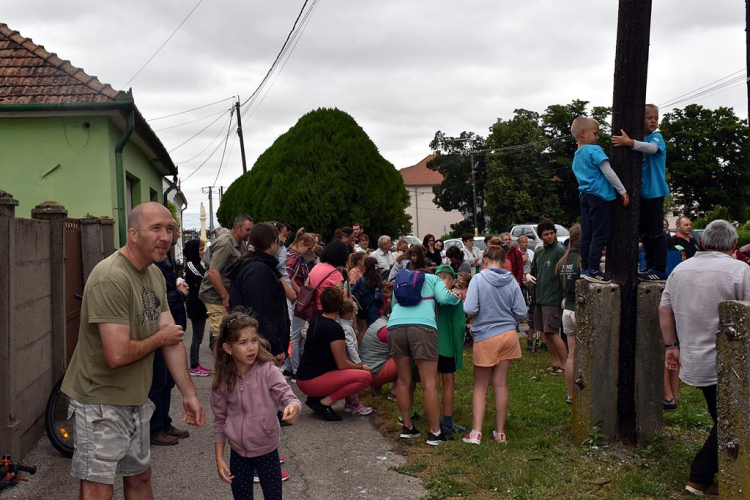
199, 326
387, 373
269, 473
336, 384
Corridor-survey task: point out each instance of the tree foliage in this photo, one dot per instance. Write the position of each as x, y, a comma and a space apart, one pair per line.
707, 159
322, 174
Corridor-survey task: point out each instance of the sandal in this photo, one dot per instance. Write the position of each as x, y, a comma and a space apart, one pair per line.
551, 368
669, 404
558, 370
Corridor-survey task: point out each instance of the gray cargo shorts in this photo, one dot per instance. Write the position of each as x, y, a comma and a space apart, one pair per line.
110, 440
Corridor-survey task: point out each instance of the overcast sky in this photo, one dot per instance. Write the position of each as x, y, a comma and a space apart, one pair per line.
402, 69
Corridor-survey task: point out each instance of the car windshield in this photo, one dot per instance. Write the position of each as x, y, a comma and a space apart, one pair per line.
480, 244
561, 231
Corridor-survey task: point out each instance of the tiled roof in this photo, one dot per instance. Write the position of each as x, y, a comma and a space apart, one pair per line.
31, 74
420, 175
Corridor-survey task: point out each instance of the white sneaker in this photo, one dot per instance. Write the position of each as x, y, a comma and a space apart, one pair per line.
474, 437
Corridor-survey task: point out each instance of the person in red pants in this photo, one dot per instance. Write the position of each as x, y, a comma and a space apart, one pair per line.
325, 374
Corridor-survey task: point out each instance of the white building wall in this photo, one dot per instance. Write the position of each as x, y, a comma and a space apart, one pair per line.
426, 217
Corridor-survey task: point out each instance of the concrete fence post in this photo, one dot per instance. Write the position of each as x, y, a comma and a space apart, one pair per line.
649, 362
596, 359
55, 214
733, 399
91, 244
9, 426
108, 236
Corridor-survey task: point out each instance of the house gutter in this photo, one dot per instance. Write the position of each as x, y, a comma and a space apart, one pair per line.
120, 174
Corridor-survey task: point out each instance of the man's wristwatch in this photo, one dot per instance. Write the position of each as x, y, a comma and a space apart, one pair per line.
673, 344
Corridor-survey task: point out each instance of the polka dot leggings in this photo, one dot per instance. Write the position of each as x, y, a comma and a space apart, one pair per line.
269, 473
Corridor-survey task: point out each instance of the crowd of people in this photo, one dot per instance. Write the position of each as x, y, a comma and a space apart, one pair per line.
338, 318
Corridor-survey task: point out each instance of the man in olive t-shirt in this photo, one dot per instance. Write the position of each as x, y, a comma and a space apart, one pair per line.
124, 319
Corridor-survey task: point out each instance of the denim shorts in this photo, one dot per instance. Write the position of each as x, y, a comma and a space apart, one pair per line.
110, 440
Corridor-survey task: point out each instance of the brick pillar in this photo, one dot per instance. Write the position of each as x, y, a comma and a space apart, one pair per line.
55, 214
91, 244
649, 362
9, 426
596, 359
733, 404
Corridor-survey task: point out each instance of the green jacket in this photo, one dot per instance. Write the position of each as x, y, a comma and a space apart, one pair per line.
548, 290
451, 321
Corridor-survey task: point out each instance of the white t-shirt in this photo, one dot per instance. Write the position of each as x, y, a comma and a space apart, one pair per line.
693, 292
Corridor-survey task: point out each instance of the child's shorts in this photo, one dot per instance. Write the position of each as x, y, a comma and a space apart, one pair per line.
489, 352
446, 364
569, 322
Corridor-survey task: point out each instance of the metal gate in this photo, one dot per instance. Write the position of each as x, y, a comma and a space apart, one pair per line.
73, 285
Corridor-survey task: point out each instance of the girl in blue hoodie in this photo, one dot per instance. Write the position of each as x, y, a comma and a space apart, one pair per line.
494, 299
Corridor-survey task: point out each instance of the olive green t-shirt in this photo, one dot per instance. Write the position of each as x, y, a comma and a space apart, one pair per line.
116, 292
225, 250
548, 290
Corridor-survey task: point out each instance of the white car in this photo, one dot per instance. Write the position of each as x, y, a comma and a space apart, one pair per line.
456, 242
529, 230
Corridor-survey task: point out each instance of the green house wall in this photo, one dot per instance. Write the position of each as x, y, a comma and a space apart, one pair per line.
61, 159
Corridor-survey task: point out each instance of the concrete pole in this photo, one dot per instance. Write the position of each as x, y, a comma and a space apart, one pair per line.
9, 426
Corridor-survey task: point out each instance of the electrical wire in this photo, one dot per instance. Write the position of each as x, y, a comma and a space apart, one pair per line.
191, 121
191, 109
206, 160
163, 44
203, 130
226, 140
221, 131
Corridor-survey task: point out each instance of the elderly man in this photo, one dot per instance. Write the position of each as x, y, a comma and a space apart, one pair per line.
384, 255
688, 309
124, 318
214, 291
684, 237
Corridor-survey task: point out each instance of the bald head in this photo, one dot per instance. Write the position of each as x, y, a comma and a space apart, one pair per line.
143, 213
583, 124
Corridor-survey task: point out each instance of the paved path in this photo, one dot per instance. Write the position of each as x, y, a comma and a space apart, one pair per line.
327, 461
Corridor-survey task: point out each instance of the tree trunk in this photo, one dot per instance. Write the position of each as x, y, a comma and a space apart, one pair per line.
631, 69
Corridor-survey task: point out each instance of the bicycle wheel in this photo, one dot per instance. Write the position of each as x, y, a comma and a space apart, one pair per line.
60, 428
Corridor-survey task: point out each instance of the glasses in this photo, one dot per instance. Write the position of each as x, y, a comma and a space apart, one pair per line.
430, 241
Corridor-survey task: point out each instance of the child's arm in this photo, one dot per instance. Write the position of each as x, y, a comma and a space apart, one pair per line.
471, 303
219, 407
351, 345
283, 394
224, 473
611, 176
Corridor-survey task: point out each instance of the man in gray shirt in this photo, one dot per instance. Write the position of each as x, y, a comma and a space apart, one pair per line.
694, 317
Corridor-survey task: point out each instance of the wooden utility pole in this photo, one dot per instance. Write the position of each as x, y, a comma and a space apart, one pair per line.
631, 70
239, 133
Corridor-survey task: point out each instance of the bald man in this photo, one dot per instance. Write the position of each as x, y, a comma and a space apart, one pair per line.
124, 318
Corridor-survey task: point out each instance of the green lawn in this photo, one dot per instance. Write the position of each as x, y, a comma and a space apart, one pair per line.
540, 459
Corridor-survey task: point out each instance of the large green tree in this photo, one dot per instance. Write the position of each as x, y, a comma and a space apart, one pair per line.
707, 160
323, 173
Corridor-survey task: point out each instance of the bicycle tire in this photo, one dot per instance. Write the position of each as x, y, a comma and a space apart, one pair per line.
60, 429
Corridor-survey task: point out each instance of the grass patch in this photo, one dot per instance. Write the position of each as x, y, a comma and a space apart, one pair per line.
540, 460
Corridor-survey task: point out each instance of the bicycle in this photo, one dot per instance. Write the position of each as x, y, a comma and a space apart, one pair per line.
10, 472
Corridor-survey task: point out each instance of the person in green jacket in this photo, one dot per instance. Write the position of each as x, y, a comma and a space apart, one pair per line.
568, 270
451, 326
549, 294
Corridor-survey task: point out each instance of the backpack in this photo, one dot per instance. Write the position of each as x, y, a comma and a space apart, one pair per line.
305, 307
407, 287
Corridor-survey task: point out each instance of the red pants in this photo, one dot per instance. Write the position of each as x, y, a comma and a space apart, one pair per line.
387, 373
337, 384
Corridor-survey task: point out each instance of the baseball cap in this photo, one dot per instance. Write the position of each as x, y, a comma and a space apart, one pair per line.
445, 268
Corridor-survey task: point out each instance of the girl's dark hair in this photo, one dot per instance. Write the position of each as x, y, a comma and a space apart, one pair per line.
263, 235
192, 251
354, 259
454, 252
332, 300
573, 243
426, 241
414, 251
442, 245
372, 275
225, 371
335, 253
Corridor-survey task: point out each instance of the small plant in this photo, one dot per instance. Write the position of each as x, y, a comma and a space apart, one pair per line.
596, 436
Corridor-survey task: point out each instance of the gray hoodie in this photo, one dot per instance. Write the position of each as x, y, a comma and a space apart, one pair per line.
495, 298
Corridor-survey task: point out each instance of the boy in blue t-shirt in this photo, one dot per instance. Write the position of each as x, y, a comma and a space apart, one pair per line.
597, 183
653, 190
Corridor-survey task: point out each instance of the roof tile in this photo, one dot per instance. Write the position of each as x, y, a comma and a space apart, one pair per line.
420, 175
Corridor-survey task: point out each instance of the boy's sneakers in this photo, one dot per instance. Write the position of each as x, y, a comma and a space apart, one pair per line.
652, 275
435, 439
413, 417
407, 433
473, 437
596, 277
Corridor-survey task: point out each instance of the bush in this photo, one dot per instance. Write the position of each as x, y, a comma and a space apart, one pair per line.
743, 237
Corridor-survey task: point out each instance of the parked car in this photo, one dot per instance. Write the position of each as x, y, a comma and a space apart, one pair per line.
456, 242
529, 230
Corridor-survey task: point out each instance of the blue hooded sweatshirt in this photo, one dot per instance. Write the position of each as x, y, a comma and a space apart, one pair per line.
495, 299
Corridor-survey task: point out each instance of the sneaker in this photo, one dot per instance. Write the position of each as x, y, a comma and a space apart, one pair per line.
197, 372
530, 345
163, 439
435, 439
284, 476
293, 380
473, 437
499, 437
361, 410
206, 370
311, 402
282, 459
544, 347
652, 275
448, 431
287, 374
585, 274
407, 433
326, 412
669, 405
597, 277
569, 400
700, 490
413, 417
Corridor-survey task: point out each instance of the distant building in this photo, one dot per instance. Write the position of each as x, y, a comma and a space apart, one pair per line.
426, 217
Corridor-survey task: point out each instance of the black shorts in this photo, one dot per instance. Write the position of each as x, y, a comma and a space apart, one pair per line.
446, 364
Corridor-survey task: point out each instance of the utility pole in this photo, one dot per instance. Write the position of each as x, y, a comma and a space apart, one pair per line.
239, 133
474, 190
210, 191
631, 71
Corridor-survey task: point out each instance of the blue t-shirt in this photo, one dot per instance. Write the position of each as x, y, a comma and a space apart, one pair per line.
653, 178
591, 180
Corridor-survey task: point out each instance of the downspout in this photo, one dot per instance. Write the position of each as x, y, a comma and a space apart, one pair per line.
172, 185
120, 175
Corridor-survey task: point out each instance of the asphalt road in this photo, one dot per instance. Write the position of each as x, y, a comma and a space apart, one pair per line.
326, 460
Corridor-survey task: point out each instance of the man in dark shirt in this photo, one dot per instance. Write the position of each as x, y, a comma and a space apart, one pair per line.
684, 238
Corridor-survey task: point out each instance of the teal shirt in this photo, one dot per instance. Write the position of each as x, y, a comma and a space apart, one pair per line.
654, 173
590, 178
423, 314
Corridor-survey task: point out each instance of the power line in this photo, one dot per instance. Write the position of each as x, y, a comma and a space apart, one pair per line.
191, 109
191, 121
221, 131
163, 44
229, 130
205, 161
202, 130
